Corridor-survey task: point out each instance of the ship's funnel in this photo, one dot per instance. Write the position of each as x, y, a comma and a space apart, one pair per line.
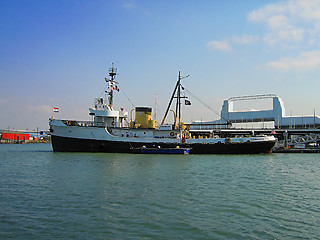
143, 118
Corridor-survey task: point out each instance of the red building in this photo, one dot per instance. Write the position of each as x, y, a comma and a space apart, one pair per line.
15, 136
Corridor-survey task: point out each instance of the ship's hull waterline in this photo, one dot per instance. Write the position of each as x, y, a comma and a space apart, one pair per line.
68, 144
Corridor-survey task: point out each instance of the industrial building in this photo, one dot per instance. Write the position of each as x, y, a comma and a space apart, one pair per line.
277, 114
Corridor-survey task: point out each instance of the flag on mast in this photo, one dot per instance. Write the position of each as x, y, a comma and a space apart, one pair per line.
187, 102
56, 109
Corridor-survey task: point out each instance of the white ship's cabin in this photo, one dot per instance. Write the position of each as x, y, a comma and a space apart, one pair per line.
105, 115
118, 123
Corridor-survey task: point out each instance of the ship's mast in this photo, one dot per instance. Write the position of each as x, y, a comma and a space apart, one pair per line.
111, 84
178, 103
177, 90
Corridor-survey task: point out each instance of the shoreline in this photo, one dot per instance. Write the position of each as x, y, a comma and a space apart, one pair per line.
23, 141
297, 150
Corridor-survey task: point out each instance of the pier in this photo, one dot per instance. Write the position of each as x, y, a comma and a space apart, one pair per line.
286, 137
293, 132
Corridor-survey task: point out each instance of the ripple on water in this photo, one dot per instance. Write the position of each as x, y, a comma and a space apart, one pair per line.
50, 195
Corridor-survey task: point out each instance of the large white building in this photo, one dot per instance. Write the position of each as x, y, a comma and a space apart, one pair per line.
276, 115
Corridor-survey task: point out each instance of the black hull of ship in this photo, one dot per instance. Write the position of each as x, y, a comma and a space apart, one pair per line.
66, 144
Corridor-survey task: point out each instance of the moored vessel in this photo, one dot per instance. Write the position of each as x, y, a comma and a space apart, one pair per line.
159, 150
114, 131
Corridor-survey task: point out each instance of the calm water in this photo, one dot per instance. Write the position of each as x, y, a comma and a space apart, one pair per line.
47, 195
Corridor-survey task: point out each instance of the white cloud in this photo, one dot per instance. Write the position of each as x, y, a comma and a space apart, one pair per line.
304, 61
291, 21
223, 46
307, 10
264, 13
278, 22
289, 35
245, 39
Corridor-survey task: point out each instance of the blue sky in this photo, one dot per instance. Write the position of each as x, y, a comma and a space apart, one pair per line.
57, 53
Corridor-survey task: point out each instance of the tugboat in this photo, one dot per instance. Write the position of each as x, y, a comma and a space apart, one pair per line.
112, 131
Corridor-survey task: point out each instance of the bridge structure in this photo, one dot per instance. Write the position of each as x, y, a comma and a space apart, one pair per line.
300, 140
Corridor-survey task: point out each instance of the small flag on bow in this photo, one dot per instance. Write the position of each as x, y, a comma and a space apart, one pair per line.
55, 109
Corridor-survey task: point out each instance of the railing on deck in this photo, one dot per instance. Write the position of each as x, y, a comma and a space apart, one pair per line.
82, 123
